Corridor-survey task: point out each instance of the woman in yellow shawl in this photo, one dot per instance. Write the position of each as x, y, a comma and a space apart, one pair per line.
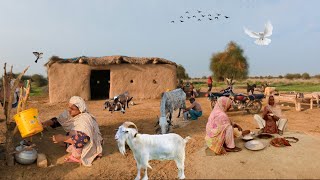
220, 130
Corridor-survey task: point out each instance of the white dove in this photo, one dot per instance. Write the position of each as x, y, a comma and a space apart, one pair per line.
261, 36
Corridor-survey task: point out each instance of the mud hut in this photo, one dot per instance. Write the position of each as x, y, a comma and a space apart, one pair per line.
104, 77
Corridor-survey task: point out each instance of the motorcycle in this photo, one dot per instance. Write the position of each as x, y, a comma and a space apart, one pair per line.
250, 103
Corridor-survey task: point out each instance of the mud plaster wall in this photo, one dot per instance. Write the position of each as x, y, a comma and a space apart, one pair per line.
148, 81
67, 80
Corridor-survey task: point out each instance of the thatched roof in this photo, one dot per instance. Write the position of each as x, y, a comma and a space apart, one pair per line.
108, 60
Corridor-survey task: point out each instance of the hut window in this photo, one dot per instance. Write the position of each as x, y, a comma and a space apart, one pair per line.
131, 81
154, 82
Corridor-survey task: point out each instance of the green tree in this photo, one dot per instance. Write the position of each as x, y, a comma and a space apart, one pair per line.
181, 72
39, 80
231, 63
305, 76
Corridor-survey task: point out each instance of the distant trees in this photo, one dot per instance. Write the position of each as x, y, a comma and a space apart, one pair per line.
36, 79
181, 72
230, 63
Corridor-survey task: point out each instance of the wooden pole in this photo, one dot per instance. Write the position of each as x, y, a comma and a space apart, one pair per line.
9, 130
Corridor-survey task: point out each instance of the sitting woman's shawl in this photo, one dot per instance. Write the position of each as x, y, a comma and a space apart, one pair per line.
271, 126
216, 126
87, 124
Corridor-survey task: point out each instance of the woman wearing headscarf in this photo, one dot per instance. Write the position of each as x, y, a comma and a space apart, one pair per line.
83, 134
220, 130
272, 120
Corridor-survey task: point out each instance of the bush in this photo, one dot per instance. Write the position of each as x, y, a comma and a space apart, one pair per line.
317, 76
39, 80
305, 76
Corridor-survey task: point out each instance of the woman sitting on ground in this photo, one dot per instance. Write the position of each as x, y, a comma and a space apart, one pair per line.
220, 130
83, 135
273, 120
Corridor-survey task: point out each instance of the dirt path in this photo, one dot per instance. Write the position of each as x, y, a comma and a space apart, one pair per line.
298, 161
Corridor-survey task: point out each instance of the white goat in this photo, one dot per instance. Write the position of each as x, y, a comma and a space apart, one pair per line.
147, 147
170, 102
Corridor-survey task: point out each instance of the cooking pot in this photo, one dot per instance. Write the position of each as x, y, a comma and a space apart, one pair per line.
25, 156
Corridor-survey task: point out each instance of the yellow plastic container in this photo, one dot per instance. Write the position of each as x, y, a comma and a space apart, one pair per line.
28, 122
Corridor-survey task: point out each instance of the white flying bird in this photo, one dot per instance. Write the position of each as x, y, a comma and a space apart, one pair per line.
261, 36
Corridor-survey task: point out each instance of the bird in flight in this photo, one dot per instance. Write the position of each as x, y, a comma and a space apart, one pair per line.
181, 16
187, 12
38, 55
216, 17
261, 36
199, 11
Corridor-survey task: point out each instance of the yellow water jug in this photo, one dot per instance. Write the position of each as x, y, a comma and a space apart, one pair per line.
28, 122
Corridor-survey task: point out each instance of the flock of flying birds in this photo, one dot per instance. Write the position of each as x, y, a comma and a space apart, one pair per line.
261, 37
200, 16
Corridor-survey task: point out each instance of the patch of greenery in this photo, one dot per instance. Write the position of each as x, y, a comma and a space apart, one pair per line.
35, 90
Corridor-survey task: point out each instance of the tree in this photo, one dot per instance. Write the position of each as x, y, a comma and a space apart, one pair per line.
181, 72
230, 63
39, 80
305, 76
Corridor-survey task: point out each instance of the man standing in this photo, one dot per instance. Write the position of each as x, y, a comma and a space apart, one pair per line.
194, 110
209, 84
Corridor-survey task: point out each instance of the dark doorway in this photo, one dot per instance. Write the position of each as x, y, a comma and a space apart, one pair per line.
100, 84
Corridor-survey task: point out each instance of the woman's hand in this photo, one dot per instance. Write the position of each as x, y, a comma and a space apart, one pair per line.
237, 126
58, 138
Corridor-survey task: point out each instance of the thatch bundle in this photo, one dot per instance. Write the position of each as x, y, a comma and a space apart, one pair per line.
108, 60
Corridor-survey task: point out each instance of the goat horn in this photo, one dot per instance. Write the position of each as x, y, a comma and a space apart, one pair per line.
128, 123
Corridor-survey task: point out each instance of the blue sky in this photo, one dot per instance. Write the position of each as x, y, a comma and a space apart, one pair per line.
142, 28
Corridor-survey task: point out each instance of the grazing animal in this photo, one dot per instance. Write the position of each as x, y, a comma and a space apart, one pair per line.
147, 147
250, 88
119, 102
269, 90
112, 106
226, 17
261, 36
170, 101
38, 55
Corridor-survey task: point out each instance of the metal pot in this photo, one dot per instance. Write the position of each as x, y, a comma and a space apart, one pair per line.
25, 156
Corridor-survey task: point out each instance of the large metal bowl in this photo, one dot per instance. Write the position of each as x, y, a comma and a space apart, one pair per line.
254, 145
26, 156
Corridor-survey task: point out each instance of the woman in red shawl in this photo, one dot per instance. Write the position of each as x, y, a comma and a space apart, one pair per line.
272, 120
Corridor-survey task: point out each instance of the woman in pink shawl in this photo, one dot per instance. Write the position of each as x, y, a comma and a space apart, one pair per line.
220, 129
83, 135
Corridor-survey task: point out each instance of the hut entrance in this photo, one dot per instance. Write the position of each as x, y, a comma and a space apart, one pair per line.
99, 84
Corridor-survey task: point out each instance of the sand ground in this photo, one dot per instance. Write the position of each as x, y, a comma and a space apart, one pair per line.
301, 160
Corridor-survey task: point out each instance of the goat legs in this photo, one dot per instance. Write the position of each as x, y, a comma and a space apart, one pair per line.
138, 173
180, 166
